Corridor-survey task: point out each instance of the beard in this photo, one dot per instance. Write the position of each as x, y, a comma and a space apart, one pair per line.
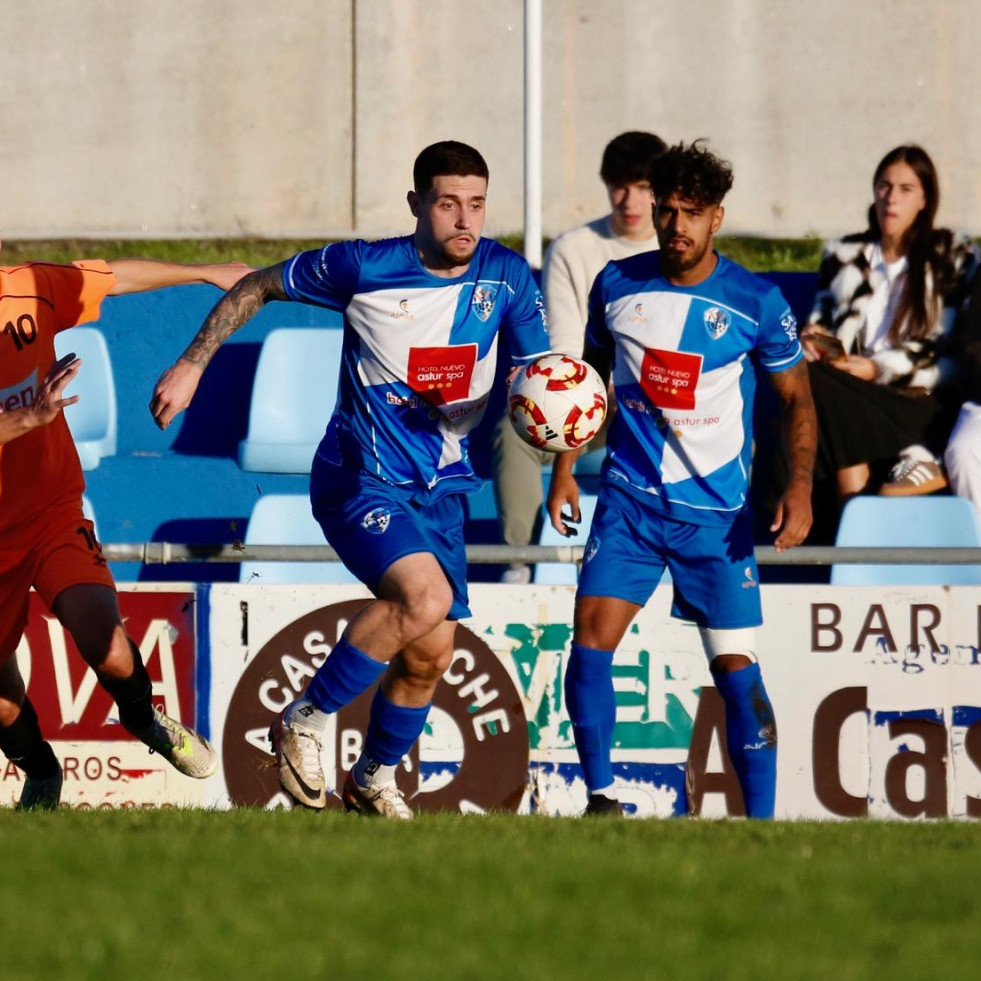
675, 263
458, 255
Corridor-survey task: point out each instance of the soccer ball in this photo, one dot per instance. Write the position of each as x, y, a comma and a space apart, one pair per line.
557, 403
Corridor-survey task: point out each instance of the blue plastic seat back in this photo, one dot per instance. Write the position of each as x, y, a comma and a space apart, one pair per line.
293, 397
909, 522
286, 519
93, 418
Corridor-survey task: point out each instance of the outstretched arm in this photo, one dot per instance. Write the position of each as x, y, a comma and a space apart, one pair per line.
792, 518
139, 275
177, 385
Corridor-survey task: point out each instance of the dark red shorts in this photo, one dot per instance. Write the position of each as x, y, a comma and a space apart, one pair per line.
59, 551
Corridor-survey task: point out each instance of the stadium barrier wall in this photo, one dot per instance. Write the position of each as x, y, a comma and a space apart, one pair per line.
875, 691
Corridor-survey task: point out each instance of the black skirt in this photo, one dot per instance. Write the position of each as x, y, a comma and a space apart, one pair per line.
862, 422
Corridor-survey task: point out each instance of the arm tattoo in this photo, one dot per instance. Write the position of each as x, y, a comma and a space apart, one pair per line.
798, 420
236, 308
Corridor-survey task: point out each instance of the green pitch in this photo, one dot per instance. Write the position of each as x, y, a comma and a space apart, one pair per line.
247, 894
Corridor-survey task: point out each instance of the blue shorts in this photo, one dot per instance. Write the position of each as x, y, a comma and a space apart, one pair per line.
713, 567
371, 525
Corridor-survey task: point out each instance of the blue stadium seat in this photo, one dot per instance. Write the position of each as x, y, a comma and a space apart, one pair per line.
909, 522
93, 418
292, 398
286, 519
564, 573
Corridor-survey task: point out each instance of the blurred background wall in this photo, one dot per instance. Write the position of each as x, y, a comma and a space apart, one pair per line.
186, 118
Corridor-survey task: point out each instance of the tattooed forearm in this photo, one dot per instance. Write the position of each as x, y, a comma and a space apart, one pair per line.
798, 421
233, 310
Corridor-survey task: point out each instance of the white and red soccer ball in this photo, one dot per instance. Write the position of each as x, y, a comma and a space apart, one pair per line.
557, 403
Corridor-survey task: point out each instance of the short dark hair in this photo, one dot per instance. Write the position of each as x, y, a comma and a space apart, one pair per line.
694, 173
629, 157
444, 158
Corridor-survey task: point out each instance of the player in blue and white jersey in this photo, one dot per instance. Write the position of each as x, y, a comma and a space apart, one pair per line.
423, 316
681, 330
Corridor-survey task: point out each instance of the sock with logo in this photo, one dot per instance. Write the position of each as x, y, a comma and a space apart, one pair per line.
592, 707
346, 673
22, 743
393, 730
751, 736
132, 695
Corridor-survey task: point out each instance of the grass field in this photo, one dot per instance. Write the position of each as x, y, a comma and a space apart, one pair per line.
249, 894
760, 254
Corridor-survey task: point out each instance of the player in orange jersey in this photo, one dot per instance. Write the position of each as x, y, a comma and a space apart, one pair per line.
45, 541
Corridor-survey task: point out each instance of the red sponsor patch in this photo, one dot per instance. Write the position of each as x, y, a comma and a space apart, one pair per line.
442, 374
668, 378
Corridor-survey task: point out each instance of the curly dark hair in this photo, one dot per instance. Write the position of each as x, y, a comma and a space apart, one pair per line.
693, 172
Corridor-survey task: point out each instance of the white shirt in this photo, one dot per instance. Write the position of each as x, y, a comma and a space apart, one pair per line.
572, 262
888, 280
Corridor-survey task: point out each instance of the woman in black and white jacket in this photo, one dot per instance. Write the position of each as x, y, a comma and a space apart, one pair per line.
877, 337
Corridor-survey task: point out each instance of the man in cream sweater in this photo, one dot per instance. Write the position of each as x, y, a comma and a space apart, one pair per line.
572, 262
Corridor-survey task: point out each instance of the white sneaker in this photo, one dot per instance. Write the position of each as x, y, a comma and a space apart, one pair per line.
301, 773
185, 750
385, 800
516, 575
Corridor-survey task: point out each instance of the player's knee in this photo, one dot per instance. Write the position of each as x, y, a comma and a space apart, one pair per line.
426, 607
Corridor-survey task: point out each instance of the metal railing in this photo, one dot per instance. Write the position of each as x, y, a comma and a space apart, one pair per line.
170, 553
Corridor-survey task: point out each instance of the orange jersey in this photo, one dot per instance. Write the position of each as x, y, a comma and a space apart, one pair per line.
36, 301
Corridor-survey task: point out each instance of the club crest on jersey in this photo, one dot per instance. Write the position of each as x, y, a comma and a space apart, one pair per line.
483, 301
377, 521
716, 322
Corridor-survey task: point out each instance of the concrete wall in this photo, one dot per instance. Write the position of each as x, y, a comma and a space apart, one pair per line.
225, 117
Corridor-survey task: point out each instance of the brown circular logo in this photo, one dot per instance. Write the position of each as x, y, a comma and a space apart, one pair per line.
472, 756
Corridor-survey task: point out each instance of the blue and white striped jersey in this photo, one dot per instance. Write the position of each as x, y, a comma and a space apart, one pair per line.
419, 353
683, 374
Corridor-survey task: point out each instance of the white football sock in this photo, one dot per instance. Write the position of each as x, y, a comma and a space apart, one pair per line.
368, 773
306, 715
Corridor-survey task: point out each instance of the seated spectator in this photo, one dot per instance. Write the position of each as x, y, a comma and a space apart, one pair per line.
963, 455
571, 264
877, 336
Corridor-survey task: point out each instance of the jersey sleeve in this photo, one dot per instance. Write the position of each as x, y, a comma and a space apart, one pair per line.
597, 332
777, 347
327, 277
76, 291
526, 324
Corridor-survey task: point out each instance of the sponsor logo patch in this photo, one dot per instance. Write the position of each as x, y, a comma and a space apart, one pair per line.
789, 323
442, 374
669, 378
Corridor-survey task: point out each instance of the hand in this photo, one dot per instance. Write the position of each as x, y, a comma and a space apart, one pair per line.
792, 518
225, 275
174, 391
563, 492
811, 351
857, 366
48, 401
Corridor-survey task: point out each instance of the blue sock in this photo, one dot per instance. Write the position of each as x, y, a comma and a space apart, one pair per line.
342, 677
751, 735
592, 707
393, 730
